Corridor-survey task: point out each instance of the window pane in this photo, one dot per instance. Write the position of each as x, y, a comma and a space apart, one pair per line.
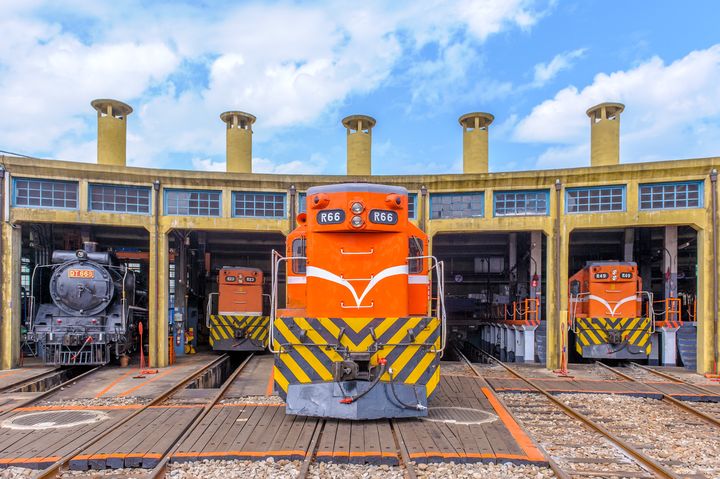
462, 205
119, 199
262, 205
192, 203
670, 196
47, 193
595, 199
520, 203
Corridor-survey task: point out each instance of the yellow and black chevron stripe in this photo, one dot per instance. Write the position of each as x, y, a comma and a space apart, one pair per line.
309, 347
594, 331
239, 333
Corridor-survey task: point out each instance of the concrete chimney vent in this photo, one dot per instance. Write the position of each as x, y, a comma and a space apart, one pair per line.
359, 144
238, 141
475, 141
605, 133
112, 131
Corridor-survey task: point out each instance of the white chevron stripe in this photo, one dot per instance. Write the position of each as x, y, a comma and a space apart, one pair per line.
315, 272
611, 310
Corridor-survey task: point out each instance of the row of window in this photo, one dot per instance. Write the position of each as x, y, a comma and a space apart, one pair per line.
133, 199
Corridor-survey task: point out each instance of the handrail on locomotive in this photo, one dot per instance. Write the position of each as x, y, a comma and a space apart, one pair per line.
437, 266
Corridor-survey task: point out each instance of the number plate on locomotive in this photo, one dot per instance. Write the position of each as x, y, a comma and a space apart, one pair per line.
383, 217
601, 276
250, 279
81, 273
330, 217
626, 275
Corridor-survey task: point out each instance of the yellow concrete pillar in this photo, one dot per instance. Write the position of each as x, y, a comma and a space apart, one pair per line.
556, 278
10, 326
158, 299
705, 326
112, 131
238, 141
605, 133
359, 144
475, 141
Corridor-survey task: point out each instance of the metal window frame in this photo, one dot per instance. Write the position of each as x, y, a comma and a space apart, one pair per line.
623, 206
282, 194
182, 190
301, 197
501, 192
92, 186
701, 193
434, 196
51, 181
414, 197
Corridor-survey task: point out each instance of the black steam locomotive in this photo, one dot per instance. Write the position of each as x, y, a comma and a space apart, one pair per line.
90, 318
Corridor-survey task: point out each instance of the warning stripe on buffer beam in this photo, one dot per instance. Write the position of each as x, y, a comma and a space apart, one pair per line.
238, 327
309, 348
594, 331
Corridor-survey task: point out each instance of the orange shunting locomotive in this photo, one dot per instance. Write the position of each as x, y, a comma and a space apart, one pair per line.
360, 336
606, 311
239, 324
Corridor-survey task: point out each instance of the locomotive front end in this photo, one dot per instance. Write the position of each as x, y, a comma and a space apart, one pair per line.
360, 336
89, 312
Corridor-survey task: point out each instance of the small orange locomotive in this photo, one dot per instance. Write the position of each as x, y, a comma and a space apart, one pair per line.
606, 311
239, 324
360, 336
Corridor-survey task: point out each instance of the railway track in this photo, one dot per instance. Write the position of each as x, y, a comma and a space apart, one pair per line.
582, 442
406, 465
715, 421
56, 469
44, 394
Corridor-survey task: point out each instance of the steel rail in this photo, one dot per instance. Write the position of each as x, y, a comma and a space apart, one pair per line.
648, 462
56, 469
676, 380
402, 449
559, 472
311, 450
24, 382
161, 468
666, 397
50, 391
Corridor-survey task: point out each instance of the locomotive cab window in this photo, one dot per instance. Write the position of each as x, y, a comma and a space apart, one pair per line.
298, 249
415, 249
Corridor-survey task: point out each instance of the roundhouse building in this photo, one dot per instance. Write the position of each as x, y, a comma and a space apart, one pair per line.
509, 240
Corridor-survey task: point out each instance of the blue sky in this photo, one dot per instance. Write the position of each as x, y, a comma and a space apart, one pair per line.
415, 66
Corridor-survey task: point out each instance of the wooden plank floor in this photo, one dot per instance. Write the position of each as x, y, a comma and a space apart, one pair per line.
257, 432
599, 386
498, 438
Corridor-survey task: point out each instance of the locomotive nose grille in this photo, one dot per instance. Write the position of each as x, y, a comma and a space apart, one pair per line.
54, 419
459, 415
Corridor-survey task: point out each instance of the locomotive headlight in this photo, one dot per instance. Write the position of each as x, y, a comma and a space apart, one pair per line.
356, 221
357, 208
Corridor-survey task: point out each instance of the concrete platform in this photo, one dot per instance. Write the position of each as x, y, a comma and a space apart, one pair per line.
117, 382
255, 379
602, 386
10, 378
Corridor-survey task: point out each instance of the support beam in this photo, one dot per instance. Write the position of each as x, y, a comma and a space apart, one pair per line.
10, 283
670, 261
536, 265
629, 244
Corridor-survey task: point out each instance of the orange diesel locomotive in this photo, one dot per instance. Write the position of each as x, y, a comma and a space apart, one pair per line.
606, 311
239, 324
360, 336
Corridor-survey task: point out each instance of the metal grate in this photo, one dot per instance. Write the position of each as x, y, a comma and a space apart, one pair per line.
91, 354
459, 415
54, 419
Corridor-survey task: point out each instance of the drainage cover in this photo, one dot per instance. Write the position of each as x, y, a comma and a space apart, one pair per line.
459, 415
54, 419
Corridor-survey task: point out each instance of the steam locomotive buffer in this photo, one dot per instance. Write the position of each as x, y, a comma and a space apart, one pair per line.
90, 317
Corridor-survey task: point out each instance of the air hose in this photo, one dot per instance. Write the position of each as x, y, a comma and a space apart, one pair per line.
351, 399
416, 407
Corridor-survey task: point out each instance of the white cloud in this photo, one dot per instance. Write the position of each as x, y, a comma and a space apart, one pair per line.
544, 72
206, 164
288, 64
314, 166
671, 111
